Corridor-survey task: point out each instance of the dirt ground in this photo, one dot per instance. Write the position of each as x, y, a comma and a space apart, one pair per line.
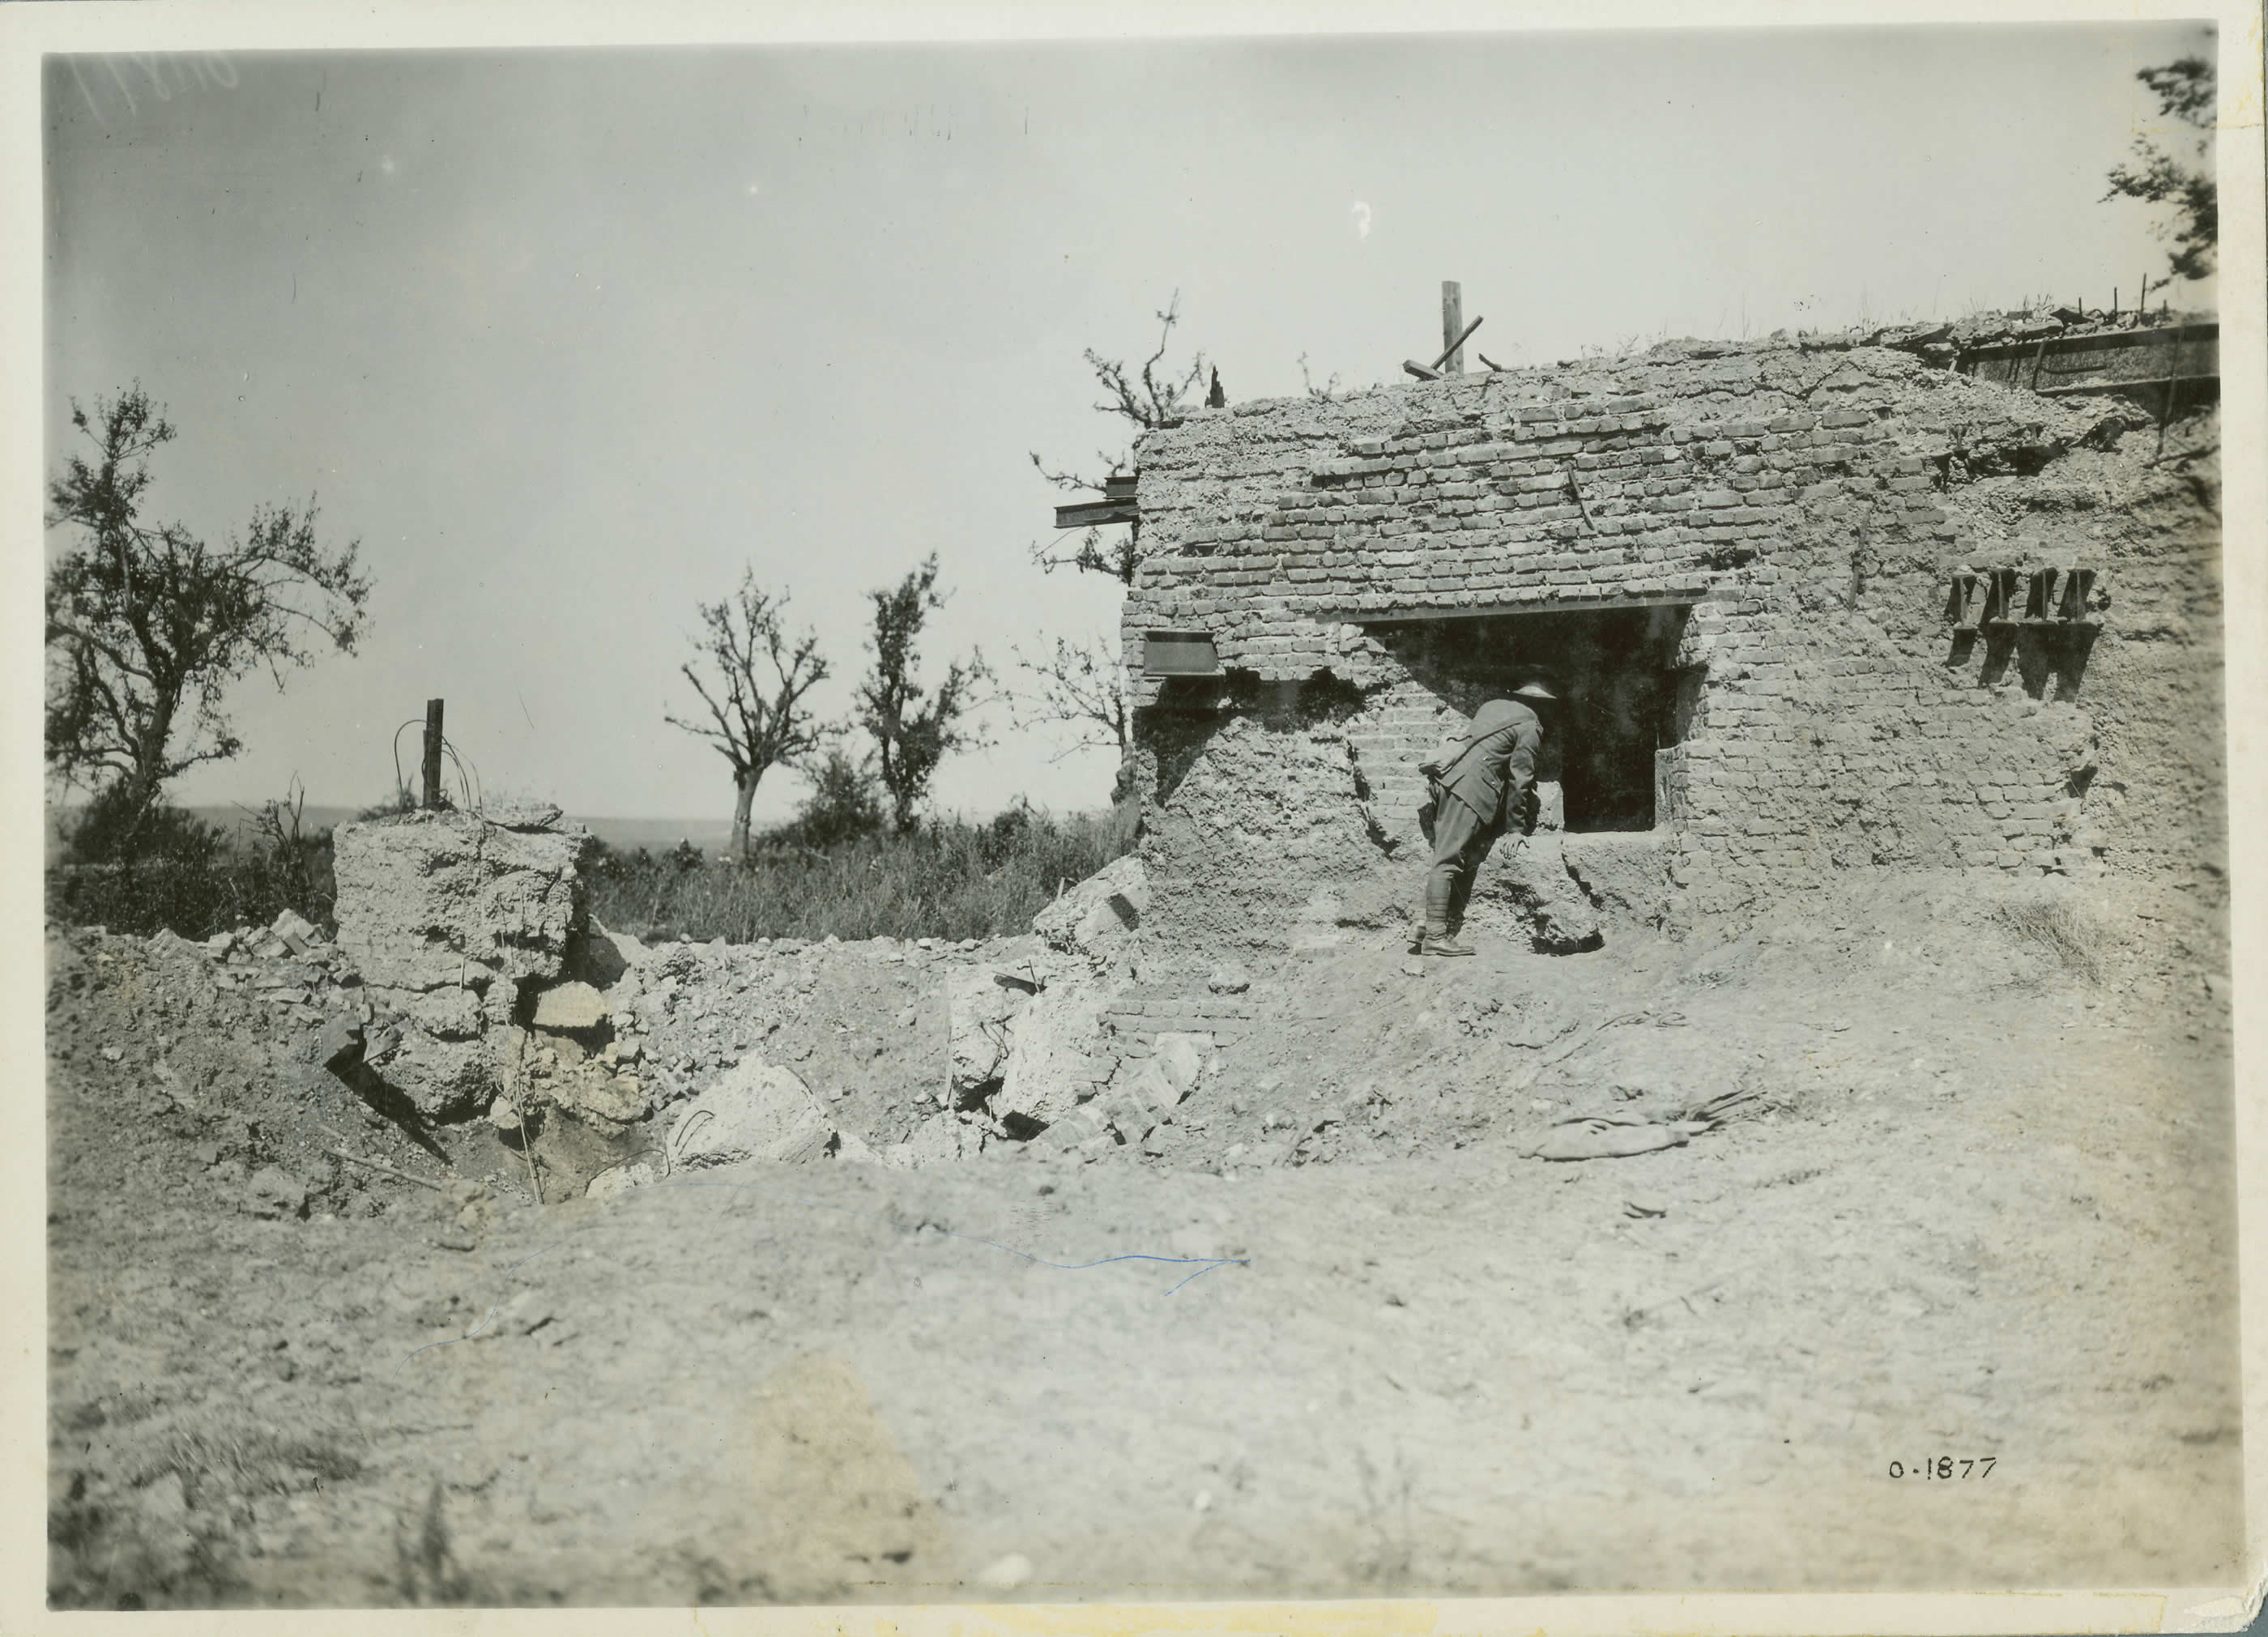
1339, 1335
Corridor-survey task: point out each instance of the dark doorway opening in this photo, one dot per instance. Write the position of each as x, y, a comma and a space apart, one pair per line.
1620, 699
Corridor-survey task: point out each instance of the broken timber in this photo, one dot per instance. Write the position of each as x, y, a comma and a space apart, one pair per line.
1117, 505
2117, 361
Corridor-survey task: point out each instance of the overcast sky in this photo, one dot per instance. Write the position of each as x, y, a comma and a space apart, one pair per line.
566, 339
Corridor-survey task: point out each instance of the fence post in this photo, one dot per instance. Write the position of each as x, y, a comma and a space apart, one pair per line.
1452, 327
432, 753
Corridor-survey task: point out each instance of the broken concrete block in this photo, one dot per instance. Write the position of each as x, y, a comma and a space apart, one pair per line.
940, 1140
450, 1013
1152, 1084
1625, 872
1127, 1113
432, 902
1077, 1126
589, 1090
571, 1008
1228, 978
1089, 918
1531, 879
1181, 1058
296, 930
983, 1002
444, 1079
601, 956
757, 1111
339, 1047
1055, 1054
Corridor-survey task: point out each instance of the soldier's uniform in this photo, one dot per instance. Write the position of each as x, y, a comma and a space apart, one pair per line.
1480, 783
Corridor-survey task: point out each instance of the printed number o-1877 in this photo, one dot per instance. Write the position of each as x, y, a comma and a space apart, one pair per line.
1947, 1466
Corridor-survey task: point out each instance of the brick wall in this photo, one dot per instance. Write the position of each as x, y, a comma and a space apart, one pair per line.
1810, 504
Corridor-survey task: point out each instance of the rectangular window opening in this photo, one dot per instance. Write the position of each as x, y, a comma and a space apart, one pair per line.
1179, 653
1610, 739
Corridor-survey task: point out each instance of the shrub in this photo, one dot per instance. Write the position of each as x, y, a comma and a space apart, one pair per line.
845, 804
172, 871
2074, 932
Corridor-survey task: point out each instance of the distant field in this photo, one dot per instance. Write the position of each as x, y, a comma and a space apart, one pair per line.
626, 833
656, 835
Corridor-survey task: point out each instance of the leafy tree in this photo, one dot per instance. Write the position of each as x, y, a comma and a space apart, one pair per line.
111, 829
2186, 94
148, 626
844, 804
757, 719
911, 737
1148, 397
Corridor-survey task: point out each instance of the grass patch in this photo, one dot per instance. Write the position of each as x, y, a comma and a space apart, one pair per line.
2075, 934
942, 880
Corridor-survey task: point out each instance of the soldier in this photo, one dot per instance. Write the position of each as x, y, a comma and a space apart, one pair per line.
1480, 783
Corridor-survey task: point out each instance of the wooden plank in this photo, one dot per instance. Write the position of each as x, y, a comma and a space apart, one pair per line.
2062, 365
2106, 341
1453, 328
1094, 514
432, 766
1122, 486
2156, 383
1456, 348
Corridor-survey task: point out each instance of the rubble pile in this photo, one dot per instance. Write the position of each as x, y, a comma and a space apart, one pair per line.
206, 1056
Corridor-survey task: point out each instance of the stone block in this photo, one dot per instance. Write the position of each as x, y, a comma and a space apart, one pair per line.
756, 1111
981, 1003
444, 1079
1090, 918
432, 902
1056, 1054
1181, 1058
572, 1008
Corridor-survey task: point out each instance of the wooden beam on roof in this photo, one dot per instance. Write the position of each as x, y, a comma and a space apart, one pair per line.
1094, 514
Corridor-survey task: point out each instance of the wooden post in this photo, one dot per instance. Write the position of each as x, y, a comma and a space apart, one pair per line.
1452, 327
432, 753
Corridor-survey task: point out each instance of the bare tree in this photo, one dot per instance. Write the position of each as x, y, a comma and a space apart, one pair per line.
1148, 396
911, 737
2186, 91
1079, 686
147, 625
757, 719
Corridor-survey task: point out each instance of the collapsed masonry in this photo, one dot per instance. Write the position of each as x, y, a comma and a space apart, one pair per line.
484, 991
1811, 608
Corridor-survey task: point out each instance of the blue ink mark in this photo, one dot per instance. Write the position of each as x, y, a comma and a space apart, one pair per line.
1204, 1264
1200, 1264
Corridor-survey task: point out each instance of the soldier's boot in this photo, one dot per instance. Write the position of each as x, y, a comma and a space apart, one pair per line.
1442, 908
